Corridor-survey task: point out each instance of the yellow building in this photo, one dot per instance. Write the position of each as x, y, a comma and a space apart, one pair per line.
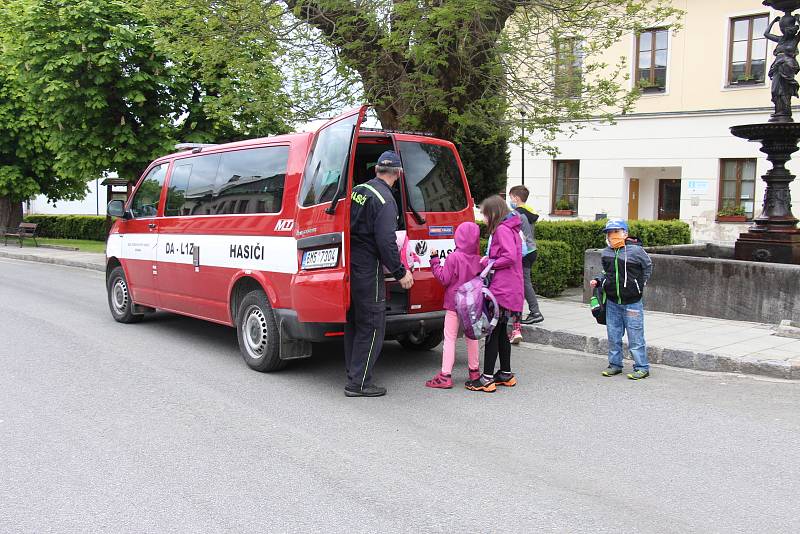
673, 157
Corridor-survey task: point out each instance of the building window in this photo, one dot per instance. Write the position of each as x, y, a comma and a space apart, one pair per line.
737, 188
651, 60
568, 68
565, 185
747, 51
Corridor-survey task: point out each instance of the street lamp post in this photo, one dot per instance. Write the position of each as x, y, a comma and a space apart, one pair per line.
522, 113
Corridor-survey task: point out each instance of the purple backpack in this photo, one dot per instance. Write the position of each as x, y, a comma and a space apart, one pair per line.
476, 307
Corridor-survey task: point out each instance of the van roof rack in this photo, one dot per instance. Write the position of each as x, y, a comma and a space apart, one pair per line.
408, 132
194, 147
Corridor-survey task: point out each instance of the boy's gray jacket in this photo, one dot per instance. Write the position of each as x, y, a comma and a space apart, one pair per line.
527, 231
626, 270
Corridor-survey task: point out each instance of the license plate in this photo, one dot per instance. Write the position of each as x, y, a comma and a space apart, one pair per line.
318, 259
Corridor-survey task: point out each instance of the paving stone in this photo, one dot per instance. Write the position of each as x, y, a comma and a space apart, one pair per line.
534, 334
677, 358
568, 340
774, 368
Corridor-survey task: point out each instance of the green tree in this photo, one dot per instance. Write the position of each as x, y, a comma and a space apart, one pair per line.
457, 68
93, 69
223, 58
26, 163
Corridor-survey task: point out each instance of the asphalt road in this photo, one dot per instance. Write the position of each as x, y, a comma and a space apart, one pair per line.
160, 427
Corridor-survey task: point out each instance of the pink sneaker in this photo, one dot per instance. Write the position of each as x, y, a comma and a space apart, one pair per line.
474, 374
440, 381
516, 336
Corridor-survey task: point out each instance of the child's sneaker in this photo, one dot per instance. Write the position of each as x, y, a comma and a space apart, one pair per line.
440, 381
483, 383
516, 335
474, 374
505, 378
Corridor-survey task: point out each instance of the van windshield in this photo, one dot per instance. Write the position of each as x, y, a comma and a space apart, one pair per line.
432, 177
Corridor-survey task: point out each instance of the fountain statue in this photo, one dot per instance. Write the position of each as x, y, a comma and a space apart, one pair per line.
774, 236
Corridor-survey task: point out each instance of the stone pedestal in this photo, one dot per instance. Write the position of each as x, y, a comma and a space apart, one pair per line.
774, 236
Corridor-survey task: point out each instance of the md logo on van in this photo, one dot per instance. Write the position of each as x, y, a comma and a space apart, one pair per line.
284, 225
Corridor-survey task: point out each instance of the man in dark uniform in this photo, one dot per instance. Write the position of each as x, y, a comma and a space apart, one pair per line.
373, 222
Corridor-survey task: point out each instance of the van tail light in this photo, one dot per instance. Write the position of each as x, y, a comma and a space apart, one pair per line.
334, 334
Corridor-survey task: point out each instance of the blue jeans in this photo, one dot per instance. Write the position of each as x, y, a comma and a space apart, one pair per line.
619, 319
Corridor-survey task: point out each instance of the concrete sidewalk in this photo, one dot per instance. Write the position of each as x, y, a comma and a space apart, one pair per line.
86, 260
701, 343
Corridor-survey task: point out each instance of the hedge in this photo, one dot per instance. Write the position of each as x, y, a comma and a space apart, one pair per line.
583, 235
548, 274
91, 227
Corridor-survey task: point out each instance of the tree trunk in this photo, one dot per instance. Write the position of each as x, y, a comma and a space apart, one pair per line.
10, 213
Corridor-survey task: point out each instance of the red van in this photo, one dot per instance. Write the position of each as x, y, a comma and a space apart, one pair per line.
255, 235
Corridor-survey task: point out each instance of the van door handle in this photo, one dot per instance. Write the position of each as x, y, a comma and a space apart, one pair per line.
151, 225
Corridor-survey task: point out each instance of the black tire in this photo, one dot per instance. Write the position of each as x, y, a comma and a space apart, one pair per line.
429, 341
257, 332
119, 298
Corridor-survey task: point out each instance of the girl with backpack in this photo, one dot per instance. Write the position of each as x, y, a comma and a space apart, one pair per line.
507, 287
461, 265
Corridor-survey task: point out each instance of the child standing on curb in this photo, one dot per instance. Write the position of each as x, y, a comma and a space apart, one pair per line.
517, 196
626, 270
461, 265
506, 286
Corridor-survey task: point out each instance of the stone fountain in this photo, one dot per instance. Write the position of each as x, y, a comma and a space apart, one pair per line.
774, 236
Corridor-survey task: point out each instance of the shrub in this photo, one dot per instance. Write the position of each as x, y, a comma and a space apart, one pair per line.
548, 273
583, 235
91, 227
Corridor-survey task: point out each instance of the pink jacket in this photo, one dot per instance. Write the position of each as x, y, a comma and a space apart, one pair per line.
461, 265
507, 282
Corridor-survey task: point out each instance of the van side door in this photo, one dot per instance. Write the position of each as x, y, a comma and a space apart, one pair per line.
321, 287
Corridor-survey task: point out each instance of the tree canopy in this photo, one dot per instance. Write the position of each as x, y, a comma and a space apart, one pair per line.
464, 68
92, 86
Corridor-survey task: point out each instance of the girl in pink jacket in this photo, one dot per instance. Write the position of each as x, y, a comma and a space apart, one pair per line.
460, 266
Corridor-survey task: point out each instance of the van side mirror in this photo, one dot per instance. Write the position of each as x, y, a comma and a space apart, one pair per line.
116, 208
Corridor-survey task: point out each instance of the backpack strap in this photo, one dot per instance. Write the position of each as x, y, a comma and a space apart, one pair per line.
488, 268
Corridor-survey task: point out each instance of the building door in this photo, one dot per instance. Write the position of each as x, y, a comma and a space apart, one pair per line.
633, 199
669, 200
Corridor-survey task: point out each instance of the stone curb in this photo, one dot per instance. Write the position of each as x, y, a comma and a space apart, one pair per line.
48, 259
700, 361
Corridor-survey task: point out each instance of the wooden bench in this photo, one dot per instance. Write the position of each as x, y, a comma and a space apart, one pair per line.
23, 231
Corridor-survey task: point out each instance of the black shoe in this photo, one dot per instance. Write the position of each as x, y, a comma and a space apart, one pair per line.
366, 391
533, 318
503, 378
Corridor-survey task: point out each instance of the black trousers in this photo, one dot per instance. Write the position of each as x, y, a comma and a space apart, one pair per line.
366, 320
498, 342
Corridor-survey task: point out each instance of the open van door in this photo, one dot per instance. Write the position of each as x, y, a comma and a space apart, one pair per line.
321, 287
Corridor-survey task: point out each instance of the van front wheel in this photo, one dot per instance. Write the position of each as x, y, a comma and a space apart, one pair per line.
119, 297
257, 331
413, 341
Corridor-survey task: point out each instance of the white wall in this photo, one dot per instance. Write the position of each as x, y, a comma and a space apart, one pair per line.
692, 143
87, 206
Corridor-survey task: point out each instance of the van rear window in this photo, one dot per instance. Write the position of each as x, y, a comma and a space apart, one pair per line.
432, 177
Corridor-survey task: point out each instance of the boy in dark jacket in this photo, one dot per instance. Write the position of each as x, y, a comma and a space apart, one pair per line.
626, 270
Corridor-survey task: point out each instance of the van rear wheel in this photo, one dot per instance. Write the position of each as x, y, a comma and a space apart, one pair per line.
413, 341
257, 331
120, 301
